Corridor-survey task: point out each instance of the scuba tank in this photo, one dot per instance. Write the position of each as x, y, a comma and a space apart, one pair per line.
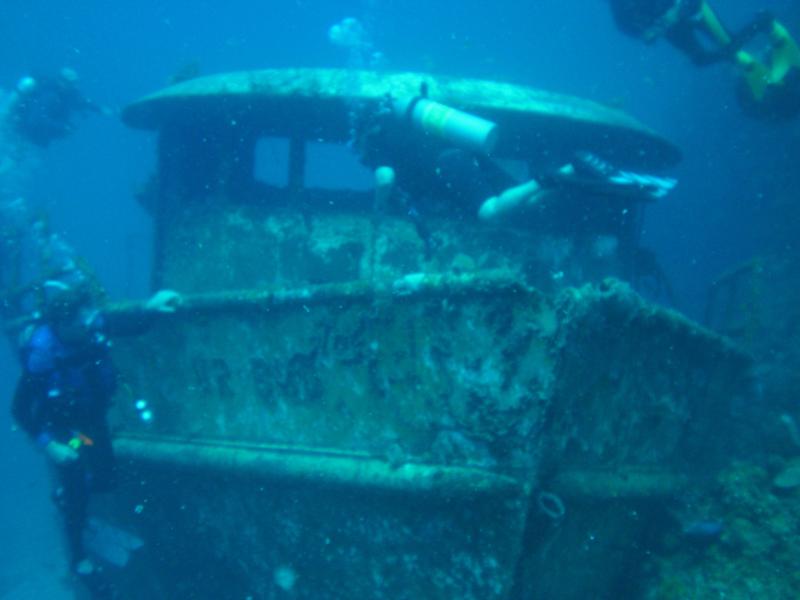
456, 127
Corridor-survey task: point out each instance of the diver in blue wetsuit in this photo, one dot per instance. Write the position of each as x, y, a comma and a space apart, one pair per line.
44, 107
62, 399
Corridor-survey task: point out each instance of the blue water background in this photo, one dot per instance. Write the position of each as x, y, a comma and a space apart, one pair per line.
733, 170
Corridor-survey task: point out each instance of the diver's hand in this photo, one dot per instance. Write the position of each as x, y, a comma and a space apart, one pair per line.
60, 454
164, 301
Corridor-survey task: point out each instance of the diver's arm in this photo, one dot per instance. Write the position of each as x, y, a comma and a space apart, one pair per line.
77, 102
126, 320
29, 387
22, 410
89, 106
135, 318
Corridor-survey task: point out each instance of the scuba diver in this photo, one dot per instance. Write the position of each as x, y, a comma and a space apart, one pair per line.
587, 175
38, 112
593, 202
63, 396
61, 402
439, 157
43, 107
432, 160
770, 84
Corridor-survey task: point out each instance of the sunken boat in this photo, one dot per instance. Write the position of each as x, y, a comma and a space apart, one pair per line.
341, 410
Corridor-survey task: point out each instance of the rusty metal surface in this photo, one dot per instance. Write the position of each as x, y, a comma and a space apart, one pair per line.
431, 409
244, 533
430, 368
212, 249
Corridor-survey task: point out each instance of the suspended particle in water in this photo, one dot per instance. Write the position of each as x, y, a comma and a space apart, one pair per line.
285, 578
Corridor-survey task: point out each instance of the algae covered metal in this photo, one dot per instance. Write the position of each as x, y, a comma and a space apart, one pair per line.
314, 104
342, 411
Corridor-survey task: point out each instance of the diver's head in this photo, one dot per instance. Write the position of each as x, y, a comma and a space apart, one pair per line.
69, 308
64, 299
